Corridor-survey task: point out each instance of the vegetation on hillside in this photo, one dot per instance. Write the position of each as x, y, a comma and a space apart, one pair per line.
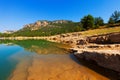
98, 22
111, 21
49, 28
114, 19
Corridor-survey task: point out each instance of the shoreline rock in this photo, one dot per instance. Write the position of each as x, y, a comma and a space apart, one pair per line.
107, 58
105, 38
103, 49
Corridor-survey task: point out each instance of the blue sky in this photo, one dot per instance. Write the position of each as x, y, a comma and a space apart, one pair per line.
16, 13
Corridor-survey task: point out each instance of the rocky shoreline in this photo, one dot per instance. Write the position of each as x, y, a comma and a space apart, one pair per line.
102, 49
106, 58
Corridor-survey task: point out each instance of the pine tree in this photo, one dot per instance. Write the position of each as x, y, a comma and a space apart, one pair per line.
116, 16
87, 22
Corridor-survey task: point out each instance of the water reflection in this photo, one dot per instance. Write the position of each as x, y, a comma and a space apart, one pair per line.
41, 60
39, 46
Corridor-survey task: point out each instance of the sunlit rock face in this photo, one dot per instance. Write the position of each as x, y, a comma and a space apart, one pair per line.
106, 38
37, 25
43, 23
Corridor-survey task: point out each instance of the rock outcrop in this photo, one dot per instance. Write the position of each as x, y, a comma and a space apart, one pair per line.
106, 58
43, 23
103, 50
105, 39
37, 25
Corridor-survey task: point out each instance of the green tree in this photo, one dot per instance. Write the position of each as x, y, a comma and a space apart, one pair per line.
98, 22
87, 22
116, 16
111, 21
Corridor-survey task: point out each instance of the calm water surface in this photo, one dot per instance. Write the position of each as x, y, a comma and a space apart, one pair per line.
41, 60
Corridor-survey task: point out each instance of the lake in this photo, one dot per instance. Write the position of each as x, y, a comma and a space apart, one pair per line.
42, 60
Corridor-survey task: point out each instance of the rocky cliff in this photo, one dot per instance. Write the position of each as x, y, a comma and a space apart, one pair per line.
43, 23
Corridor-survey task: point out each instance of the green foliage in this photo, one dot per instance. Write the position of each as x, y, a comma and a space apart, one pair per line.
98, 22
4, 35
87, 22
116, 16
111, 21
52, 29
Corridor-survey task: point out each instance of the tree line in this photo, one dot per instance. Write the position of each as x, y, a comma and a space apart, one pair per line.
89, 22
86, 23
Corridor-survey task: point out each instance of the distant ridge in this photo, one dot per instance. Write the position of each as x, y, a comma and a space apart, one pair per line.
47, 28
43, 23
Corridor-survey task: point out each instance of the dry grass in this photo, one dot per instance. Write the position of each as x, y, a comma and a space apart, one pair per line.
101, 31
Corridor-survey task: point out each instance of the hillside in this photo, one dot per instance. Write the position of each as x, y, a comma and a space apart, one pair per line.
47, 28
44, 23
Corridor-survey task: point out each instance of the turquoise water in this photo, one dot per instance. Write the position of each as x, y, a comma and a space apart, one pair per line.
41, 60
7, 63
12, 52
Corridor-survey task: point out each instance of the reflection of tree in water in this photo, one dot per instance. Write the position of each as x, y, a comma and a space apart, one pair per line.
40, 46
49, 50
48, 67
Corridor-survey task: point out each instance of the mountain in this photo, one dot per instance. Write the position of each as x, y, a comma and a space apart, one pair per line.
44, 23
46, 28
